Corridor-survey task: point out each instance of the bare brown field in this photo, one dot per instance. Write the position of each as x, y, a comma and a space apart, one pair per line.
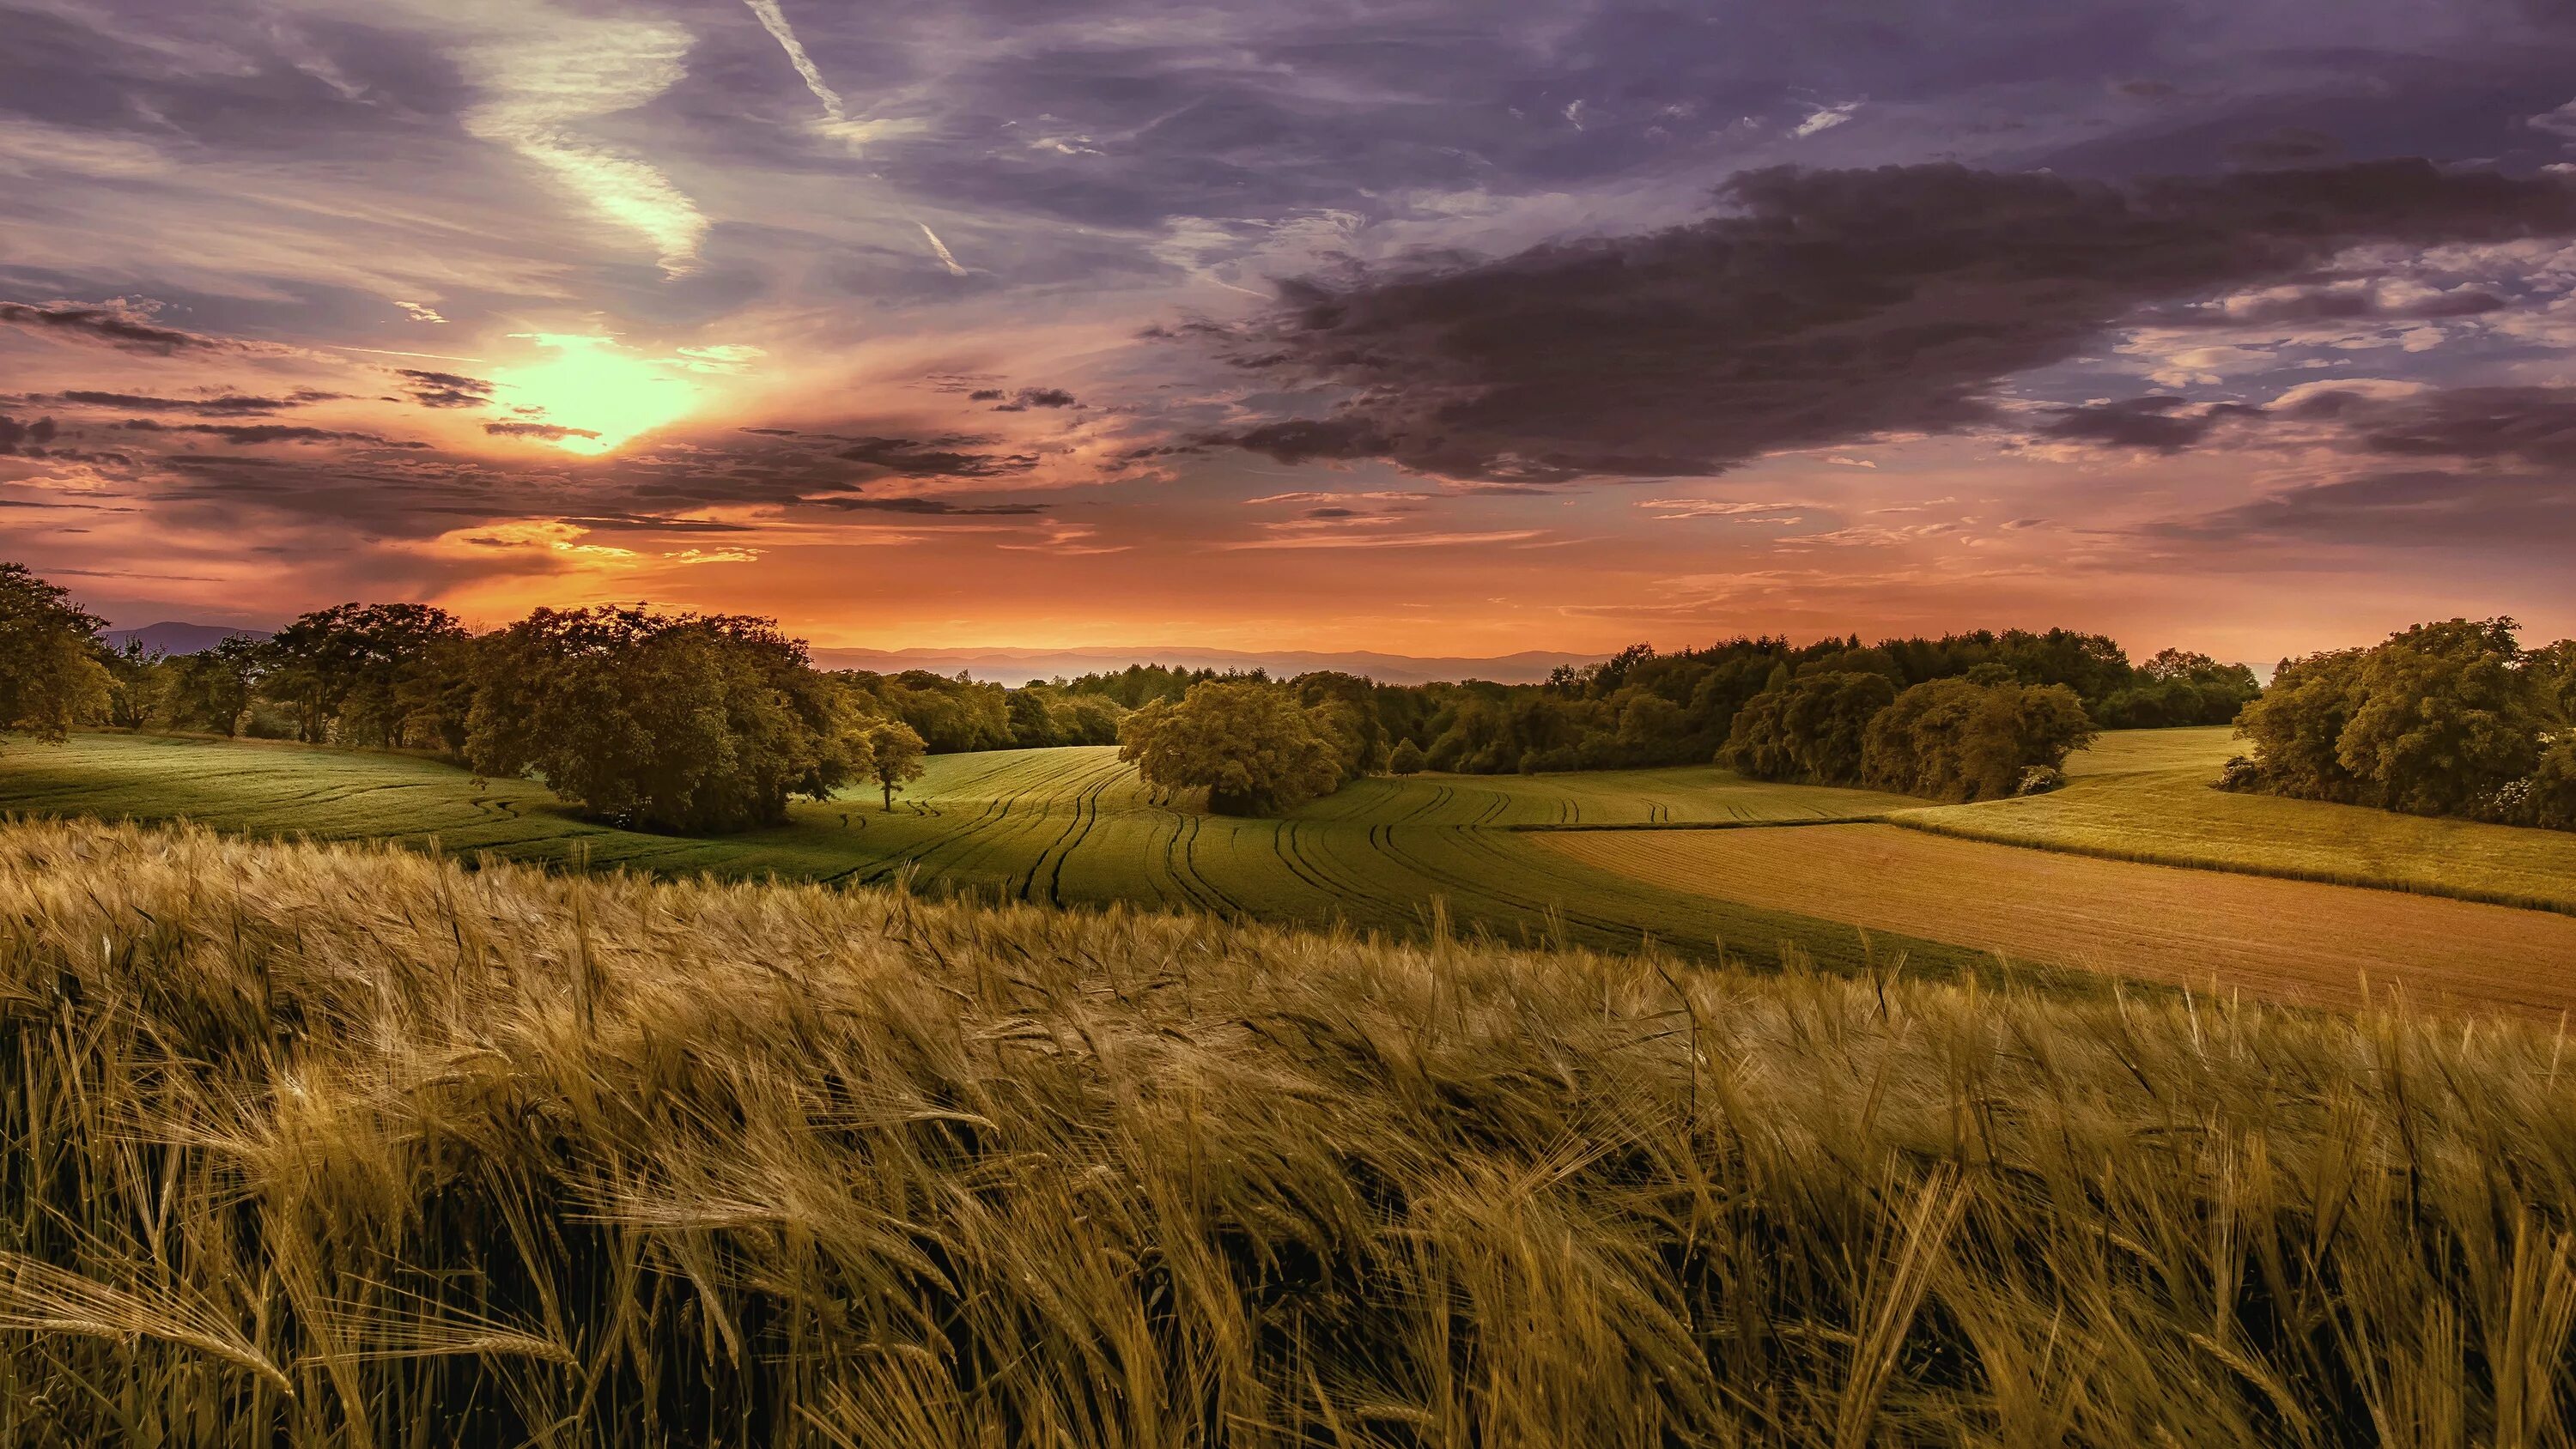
2283, 940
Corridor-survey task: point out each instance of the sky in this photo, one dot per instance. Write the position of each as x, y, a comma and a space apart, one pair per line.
1440, 327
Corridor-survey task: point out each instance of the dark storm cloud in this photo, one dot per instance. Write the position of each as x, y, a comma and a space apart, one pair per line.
2286, 146
1027, 398
444, 389
2495, 512
250, 434
230, 405
2534, 425
648, 523
940, 457
932, 507
2159, 424
1831, 306
108, 326
551, 432
15, 435
2340, 303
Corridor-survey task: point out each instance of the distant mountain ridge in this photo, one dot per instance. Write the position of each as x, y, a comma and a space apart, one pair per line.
172, 637
1018, 666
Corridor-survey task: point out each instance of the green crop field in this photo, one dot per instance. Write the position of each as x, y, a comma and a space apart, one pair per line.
2145, 795
1060, 826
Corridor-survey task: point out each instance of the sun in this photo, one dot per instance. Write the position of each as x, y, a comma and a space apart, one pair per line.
599, 392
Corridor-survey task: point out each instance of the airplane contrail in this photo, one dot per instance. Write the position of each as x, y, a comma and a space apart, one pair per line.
947, 258
774, 20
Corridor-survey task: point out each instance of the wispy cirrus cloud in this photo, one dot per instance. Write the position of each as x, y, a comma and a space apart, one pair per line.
542, 83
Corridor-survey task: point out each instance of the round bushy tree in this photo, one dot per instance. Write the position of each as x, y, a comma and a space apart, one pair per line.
1249, 744
686, 722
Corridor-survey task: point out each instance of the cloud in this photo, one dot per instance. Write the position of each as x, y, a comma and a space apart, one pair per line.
2533, 425
932, 507
1830, 306
14, 434
1381, 540
550, 432
243, 435
2283, 146
121, 327
445, 389
1825, 118
2158, 423
542, 81
1675, 508
2489, 512
773, 20
1028, 397
229, 405
420, 312
947, 258
940, 457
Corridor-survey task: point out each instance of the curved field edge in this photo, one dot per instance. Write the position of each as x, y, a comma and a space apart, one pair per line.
2147, 796
533, 1157
2297, 942
2231, 865
1063, 827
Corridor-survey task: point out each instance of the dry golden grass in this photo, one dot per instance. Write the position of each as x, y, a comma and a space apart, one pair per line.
2284, 940
304, 1147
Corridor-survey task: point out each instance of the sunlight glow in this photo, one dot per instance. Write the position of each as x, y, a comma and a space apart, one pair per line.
599, 392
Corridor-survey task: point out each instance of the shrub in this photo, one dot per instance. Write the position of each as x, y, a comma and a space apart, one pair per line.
2040, 779
1406, 759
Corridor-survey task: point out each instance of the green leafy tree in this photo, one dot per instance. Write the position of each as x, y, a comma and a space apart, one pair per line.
51, 674
1405, 758
213, 689
1953, 739
2448, 714
894, 756
344, 672
1811, 728
2297, 726
2444, 718
137, 679
1250, 745
686, 722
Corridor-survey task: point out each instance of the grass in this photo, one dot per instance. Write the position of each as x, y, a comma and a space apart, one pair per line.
319, 1147
1062, 827
2285, 940
2144, 795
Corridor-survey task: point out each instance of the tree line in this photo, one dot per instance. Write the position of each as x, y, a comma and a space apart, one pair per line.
699, 723
2451, 718
1774, 709
714, 722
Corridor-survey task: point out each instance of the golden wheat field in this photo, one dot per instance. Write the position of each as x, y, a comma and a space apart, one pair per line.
349, 1146
2284, 940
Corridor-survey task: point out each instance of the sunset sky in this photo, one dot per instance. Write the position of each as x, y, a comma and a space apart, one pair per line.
1428, 326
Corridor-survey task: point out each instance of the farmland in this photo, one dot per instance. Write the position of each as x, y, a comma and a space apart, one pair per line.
2145, 795
2285, 940
1067, 826
315, 1147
